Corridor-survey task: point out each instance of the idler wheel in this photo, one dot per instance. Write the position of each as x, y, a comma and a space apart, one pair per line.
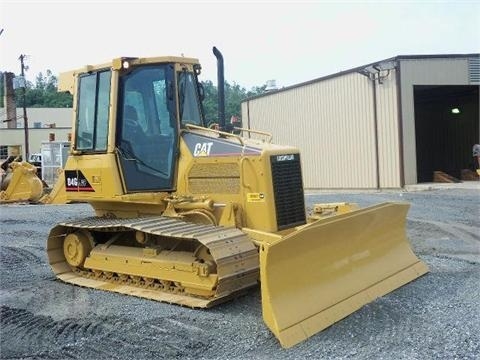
76, 248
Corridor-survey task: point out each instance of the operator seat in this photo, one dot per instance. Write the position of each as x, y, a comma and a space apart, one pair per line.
132, 132
130, 111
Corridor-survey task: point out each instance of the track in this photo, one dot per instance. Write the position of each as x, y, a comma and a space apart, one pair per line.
234, 255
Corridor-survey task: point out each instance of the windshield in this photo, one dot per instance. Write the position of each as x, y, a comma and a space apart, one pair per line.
190, 112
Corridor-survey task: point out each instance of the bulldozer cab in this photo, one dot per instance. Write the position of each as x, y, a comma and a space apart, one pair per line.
138, 111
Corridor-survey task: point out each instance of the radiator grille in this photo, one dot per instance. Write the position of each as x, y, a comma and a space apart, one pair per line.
288, 190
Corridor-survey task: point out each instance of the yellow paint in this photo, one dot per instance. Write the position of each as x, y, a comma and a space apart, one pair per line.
20, 183
328, 269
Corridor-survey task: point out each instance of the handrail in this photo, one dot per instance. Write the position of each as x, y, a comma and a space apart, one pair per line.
239, 138
258, 132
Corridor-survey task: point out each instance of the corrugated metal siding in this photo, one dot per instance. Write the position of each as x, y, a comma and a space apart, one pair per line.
331, 122
447, 71
388, 137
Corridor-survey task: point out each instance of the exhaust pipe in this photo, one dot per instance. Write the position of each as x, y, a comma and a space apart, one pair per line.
221, 88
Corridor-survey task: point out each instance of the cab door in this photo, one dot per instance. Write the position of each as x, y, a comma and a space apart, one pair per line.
147, 130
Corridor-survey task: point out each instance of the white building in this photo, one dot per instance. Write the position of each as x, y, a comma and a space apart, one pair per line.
42, 122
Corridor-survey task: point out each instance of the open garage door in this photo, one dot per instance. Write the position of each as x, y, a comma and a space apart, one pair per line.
446, 128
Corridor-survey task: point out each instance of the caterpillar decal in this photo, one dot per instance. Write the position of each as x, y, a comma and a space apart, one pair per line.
76, 181
201, 146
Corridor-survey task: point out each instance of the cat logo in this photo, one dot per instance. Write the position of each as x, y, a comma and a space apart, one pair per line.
202, 149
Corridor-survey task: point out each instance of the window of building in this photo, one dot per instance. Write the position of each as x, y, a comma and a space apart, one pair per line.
3, 151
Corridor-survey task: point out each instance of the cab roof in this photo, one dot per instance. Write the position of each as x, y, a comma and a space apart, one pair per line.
66, 79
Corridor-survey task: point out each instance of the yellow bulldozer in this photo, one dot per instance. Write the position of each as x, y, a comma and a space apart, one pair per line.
19, 182
196, 215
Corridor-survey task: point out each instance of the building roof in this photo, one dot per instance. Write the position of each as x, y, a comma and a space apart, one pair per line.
359, 68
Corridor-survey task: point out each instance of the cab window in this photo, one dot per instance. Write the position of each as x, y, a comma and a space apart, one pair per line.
93, 112
189, 103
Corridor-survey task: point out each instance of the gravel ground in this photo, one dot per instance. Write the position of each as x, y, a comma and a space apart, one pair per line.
436, 316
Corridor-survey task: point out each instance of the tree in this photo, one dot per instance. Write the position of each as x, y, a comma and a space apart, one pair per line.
256, 90
234, 95
210, 105
40, 81
43, 93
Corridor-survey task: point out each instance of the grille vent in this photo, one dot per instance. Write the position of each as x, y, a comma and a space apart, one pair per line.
288, 190
474, 70
208, 178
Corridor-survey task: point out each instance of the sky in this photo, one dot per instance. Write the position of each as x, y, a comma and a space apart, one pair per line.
287, 41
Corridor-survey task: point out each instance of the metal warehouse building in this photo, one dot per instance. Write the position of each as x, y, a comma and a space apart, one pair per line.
383, 125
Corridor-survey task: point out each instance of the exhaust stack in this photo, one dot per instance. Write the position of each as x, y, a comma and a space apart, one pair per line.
221, 88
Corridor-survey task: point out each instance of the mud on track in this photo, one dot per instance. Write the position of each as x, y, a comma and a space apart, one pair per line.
434, 317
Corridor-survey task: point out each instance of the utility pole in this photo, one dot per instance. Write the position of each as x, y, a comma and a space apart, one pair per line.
25, 118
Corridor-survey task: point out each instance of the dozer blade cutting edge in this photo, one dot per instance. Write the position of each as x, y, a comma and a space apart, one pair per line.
326, 270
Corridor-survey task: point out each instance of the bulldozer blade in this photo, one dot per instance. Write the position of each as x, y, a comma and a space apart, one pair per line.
21, 183
58, 194
326, 270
